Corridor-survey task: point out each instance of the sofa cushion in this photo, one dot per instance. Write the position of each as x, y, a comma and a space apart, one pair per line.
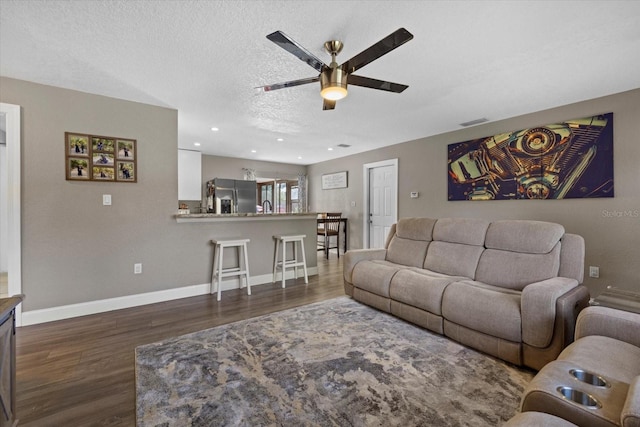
407, 252
622, 359
457, 245
488, 309
515, 270
374, 276
415, 228
409, 245
532, 237
453, 258
630, 416
468, 231
572, 257
419, 288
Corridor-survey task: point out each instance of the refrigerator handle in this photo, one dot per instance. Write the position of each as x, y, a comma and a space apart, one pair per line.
234, 208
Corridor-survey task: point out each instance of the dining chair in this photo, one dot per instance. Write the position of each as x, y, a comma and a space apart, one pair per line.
321, 217
331, 228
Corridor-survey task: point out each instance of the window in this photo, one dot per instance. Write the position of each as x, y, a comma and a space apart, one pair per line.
283, 195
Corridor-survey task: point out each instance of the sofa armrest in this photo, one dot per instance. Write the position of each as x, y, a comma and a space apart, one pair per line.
538, 308
630, 416
352, 257
609, 322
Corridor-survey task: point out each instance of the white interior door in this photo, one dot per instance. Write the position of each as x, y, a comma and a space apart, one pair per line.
382, 180
12, 164
4, 224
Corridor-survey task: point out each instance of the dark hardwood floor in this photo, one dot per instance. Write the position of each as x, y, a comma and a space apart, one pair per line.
80, 372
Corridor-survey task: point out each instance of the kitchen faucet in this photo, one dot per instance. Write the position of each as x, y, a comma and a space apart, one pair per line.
264, 209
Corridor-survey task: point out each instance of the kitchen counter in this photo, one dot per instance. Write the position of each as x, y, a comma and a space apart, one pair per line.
208, 217
198, 229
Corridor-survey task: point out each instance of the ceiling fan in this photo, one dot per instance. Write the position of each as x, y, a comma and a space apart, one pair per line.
333, 78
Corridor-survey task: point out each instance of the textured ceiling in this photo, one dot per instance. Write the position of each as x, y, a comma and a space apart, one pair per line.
468, 59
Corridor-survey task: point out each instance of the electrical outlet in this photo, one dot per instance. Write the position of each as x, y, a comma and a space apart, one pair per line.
594, 272
137, 268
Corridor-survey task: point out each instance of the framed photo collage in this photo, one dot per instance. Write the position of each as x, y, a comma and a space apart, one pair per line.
100, 158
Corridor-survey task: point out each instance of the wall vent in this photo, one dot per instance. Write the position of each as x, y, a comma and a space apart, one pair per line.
344, 145
474, 122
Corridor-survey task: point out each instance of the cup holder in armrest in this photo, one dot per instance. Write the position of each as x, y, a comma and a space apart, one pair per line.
589, 378
579, 397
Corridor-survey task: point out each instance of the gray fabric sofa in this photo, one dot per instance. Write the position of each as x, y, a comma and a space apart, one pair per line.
509, 288
607, 347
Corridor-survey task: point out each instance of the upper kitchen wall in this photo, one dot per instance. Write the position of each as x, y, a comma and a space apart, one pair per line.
234, 168
74, 249
229, 167
610, 226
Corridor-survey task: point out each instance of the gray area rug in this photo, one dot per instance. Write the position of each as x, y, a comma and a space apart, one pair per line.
333, 363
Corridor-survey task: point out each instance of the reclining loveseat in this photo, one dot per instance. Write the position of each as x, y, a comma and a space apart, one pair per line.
595, 382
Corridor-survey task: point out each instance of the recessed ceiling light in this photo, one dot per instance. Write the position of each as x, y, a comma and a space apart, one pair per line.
215, 129
197, 144
279, 139
330, 148
253, 151
299, 157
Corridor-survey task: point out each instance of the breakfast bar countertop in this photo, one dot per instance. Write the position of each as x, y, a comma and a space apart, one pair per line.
210, 217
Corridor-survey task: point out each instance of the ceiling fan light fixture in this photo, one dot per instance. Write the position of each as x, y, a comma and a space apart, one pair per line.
333, 83
333, 77
333, 93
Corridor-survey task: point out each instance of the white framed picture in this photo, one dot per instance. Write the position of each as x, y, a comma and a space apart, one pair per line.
334, 180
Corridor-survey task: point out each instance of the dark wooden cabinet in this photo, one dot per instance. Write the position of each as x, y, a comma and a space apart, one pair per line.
8, 360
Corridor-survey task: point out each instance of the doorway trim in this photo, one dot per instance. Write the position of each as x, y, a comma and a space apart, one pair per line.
365, 200
14, 256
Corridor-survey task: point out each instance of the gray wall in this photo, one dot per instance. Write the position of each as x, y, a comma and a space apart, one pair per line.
612, 242
233, 168
229, 167
74, 249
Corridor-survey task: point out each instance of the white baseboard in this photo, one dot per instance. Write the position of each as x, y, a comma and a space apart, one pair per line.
34, 317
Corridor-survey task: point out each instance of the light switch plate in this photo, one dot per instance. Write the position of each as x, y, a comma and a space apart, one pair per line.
106, 199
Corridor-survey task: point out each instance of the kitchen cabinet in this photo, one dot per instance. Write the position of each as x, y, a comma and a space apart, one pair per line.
189, 175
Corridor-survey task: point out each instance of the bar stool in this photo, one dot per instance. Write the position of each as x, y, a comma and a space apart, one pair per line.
219, 272
297, 241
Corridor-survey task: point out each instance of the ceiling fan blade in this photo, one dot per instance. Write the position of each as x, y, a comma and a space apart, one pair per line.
328, 105
376, 84
384, 46
288, 44
291, 83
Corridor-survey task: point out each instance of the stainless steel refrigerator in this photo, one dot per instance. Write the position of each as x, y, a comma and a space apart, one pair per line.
231, 196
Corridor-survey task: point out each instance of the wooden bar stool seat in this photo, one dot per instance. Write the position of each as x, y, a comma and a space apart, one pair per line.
219, 272
283, 263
